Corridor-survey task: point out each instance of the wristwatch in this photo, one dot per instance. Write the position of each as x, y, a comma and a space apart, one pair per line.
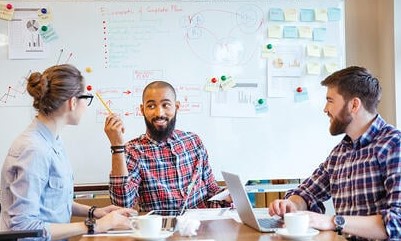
90, 221
90, 224
339, 221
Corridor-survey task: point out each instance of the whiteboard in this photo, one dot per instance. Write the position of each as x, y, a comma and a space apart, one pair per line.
122, 46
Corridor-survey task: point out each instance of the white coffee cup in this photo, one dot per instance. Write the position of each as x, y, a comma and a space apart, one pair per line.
296, 223
147, 225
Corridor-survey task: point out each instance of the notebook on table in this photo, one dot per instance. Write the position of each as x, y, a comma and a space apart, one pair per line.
244, 206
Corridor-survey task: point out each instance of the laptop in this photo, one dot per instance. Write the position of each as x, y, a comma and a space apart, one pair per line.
244, 206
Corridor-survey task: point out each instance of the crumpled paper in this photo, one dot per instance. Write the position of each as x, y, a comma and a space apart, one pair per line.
187, 227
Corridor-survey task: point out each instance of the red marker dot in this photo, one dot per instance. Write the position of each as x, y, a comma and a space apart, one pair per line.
214, 80
9, 6
89, 87
299, 89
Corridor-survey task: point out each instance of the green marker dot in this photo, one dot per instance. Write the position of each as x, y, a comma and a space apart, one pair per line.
223, 77
261, 101
269, 46
44, 28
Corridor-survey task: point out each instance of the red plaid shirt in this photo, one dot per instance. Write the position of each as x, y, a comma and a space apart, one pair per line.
160, 173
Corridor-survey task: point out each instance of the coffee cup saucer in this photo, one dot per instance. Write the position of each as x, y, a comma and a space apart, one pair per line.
162, 235
309, 234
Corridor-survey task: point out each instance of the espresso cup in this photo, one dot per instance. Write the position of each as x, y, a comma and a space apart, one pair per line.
147, 225
296, 223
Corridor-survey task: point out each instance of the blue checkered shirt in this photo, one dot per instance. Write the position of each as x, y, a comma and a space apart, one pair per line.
363, 178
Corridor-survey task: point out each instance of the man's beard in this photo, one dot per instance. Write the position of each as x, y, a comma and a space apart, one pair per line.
341, 122
161, 133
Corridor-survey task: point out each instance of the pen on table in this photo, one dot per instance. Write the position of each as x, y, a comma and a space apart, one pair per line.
104, 103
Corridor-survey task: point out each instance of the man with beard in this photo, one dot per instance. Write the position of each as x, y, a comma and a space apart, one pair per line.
164, 169
362, 174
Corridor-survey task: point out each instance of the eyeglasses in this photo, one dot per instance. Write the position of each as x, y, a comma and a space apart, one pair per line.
87, 97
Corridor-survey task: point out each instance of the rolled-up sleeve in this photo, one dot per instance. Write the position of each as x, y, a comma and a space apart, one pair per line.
314, 190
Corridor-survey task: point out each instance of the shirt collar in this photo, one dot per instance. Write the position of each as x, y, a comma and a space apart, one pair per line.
367, 137
46, 133
169, 139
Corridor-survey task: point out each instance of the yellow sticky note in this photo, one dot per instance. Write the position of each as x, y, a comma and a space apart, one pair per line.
329, 51
305, 32
226, 82
212, 84
321, 15
331, 67
6, 11
290, 15
274, 31
45, 16
313, 50
313, 68
268, 51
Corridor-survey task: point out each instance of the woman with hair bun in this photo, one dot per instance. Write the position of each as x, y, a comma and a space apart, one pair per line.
36, 178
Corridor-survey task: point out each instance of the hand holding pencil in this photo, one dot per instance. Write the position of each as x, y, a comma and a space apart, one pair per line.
114, 126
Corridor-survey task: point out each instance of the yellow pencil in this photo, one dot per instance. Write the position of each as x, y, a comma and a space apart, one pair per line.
104, 103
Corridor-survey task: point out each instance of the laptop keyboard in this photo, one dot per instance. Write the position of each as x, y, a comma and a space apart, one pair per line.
269, 223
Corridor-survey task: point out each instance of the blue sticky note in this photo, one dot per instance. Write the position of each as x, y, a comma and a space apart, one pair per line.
301, 96
276, 14
333, 14
319, 34
290, 32
307, 15
261, 107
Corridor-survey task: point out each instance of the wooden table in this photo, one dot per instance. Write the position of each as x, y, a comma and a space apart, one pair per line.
225, 230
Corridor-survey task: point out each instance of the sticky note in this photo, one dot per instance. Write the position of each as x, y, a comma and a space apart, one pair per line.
319, 34
290, 15
301, 96
268, 51
331, 67
274, 31
333, 14
307, 15
261, 106
290, 32
313, 68
227, 82
305, 32
6, 11
329, 51
45, 16
313, 50
212, 84
276, 14
47, 33
321, 15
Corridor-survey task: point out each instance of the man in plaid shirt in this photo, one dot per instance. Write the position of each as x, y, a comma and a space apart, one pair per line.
362, 174
164, 169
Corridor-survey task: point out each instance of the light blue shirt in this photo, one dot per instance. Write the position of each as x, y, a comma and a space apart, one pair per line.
36, 182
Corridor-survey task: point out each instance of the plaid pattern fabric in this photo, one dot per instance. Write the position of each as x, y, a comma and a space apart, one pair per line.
160, 174
362, 177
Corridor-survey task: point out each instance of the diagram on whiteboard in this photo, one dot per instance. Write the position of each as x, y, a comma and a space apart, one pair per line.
15, 94
224, 47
